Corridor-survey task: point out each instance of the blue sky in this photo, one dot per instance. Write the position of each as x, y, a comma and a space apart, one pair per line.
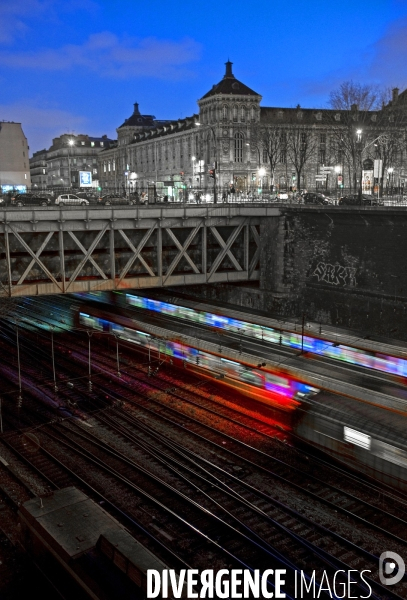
79, 65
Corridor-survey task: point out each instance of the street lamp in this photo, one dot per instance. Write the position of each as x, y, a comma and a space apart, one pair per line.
338, 171
193, 171
262, 172
71, 143
390, 175
215, 197
360, 150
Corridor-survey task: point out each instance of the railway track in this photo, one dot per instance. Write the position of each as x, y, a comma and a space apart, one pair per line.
256, 502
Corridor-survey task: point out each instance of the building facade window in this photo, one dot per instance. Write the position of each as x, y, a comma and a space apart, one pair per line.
283, 148
239, 147
322, 148
235, 113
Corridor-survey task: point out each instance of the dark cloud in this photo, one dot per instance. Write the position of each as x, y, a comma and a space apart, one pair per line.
389, 61
13, 18
109, 56
382, 64
19, 17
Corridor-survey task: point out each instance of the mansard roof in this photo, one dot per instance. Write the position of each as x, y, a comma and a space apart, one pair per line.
230, 85
164, 128
308, 116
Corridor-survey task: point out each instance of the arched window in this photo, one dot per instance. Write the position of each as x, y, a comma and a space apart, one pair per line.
243, 114
225, 112
235, 113
239, 147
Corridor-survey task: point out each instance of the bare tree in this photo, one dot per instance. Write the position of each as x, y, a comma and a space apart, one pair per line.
389, 140
354, 104
301, 147
268, 142
366, 97
363, 127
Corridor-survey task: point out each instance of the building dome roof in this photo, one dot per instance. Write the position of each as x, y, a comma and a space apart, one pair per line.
137, 119
230, 85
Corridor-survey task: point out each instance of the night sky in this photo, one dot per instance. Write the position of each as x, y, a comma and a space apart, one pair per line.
79, 65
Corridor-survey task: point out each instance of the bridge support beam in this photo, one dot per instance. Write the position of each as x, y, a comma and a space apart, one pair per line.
49, 251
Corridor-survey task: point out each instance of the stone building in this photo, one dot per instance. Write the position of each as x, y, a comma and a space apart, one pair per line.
60, 166
38, 169
14, 162
235, 145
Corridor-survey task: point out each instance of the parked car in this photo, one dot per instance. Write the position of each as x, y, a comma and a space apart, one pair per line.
108, 199
4, 201
281, 196
316, 198
354, 200
70, 200
30, 199
91, 196
137, 198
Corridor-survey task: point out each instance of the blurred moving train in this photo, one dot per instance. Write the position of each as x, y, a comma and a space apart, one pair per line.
266, 386
394, 365
367, 438
353, 350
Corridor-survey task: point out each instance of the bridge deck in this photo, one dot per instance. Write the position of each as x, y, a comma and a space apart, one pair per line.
50, 250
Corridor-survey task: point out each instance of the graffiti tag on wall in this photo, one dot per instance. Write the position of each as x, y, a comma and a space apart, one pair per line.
335, 274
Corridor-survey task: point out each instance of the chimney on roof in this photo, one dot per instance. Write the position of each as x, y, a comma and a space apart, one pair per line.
395, 95
229, 69
136, 109
354, 107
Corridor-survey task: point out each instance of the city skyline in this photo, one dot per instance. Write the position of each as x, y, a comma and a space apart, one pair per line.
79, 67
